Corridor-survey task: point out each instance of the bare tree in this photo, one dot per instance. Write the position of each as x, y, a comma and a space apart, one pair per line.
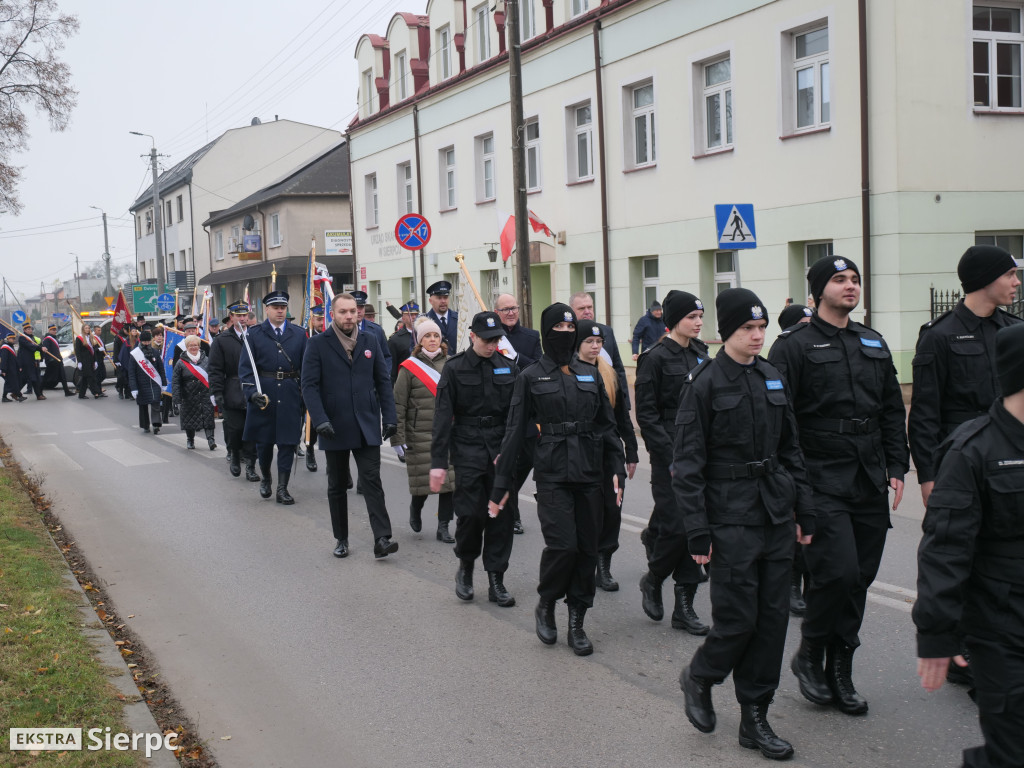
31, 34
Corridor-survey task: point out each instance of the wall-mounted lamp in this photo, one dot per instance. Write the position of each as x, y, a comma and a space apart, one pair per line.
492, 254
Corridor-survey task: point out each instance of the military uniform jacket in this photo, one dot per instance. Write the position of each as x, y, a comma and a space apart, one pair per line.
661, 372
612, 348
225, 352
736, 459
623, 424
954, 379
971, 558
279, 369
577, 439
27, 351
52, 373
400, 347
451, 333
473, 400
9, 364
848, 404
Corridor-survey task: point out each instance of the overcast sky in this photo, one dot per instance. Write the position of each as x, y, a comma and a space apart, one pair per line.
184, 72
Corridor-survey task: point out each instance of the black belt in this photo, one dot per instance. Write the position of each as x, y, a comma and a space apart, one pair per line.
480, 421
1001, 548
842, 426
743, 471
567, 428
280, 375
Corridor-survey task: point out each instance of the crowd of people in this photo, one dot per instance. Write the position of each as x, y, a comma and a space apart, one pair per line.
30, 364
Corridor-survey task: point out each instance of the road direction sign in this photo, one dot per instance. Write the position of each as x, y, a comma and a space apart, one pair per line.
17, 317
735, 225
412, 231
144, 298
165, 302
61, 316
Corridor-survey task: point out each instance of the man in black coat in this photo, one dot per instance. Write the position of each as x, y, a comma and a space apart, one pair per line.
583, 305
447, 319
525, 341
347, 390
368, 326
226, 389
30, 353
191, 328
9, 369
88, 364
400, 343
55, 373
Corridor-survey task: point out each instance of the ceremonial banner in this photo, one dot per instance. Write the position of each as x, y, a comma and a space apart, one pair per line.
121, 317
171, 340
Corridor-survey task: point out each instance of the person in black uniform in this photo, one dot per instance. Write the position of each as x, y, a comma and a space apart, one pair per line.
400, 343
120, 374
226, 389
849, 406
316, 325
272, 354
55, 373
971, 562
447, 319
576, 452
738, 475
9, 369
29, 354
367, 325
86, 355
473, 399
583, 305
661, 372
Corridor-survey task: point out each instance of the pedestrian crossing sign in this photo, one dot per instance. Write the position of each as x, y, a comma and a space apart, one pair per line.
735, 225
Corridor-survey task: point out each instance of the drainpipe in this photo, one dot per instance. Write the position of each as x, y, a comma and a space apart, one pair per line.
602, 178
352, 216
865, 158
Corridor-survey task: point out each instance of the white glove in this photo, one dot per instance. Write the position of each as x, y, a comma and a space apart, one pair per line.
400, 450
95, 365
79, 366
135, 393
213, 400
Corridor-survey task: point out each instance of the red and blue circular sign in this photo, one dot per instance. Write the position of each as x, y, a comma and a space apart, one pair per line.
412, 231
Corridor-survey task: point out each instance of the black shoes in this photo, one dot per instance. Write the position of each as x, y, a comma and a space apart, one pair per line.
575, 636
683, 616
311, 459
797, 606
266, 488
807, 666
299, 451
250, 471
190, 444
464, 580
648, 541
415, 519
650, 588
283, 497
517, 526
384, 547
156, 427
212, 443
604, 573
442, 532
234, 463
496, 591
839, 676
544, 613
145, 429
697, 701
756, 733
342, 549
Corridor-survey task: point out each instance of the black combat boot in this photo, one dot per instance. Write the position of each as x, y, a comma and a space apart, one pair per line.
517, 523
250, 470
311, 459
415, 514
575, 636
650, 588
283, 497
839, 674
697, 697
544, 613
190, 443
647, 539
442, 532
266, 487
807, 666
756, 733
235, 463
683, 616
496, 591
464, 580
797, 606
604, 572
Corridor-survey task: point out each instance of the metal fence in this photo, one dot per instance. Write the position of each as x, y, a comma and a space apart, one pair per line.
945, 300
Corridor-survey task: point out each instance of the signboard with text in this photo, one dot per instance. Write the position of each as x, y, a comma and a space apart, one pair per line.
144, 298
338, 242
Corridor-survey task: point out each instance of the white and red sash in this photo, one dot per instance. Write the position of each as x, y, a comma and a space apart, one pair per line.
146, 366
9, 348
427, 375
196, 371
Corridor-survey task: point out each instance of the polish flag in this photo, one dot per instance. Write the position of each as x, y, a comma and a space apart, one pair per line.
508, 238
539, 226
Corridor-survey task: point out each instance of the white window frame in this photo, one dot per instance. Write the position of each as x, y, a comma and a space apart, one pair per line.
372, 199
486, 186
720, 91
149, 221
819, 66
633, 115
406, 203
579, 139
482, 32
142, 271
398, 75
168, 218
590, 280
275, 230
578, 7
993, 41
447, 178
218, 246
527, 20
814, 250
726, 278
650, 271
368, 87
181, 208
444, 52
533, 169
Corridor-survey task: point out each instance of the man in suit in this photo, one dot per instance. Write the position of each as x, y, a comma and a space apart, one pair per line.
525, 341
226, 389
346, 386
447, 320
269, 367
368, 326
583, 306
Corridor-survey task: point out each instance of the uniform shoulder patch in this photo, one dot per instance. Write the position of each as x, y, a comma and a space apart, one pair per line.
1009, 318
695, 372
795, 329
932, 323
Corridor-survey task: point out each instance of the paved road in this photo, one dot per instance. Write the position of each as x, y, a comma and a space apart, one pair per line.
306, 660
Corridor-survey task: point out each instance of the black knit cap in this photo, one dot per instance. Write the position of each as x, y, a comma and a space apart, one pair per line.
586, 329
793, 314
735, 307
982, 265
146, 335
822, 270
555, 314
677, 305
1010, 358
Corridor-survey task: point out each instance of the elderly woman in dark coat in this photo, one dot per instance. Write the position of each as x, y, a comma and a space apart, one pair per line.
190, 386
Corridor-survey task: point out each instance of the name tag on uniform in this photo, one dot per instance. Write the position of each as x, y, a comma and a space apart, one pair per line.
585, 378
773, 384
871, 343
1012, 463
502, 370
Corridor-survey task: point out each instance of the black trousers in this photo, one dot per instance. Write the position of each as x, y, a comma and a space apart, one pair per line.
671, 556
60, 377
191, 433
233, 425
998, 669
843, 560
476, 532
368, 461
570, 516
149, 414
122, 381
32, 382
611, 519
445, 505
750, 577
12, 385
285, 457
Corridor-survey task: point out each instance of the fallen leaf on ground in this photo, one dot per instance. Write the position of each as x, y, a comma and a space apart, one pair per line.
225, 738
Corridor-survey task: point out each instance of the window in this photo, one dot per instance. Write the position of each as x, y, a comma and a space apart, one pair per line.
275, 229
810, 79
650, 281
149, 222
590, 280
181, 209
372, 214
526, 20
998, 43
184, 264
581, 143
167, 216
138, 227
485, 168
367, 94
579, 6
447, 163
1014, 243
444, 53
727, 271
717, 112
641, 133
405, 204
482, 32
218, 246
812, 252
532, 155
142, 271
399, 76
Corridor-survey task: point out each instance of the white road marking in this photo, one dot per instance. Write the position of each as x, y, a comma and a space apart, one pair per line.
42, 434
894, 589
900, 605
633, 518
51, 458
125, 453
90, 431
180, 439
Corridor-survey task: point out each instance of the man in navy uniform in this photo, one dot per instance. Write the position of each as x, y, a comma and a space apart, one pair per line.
316, 325
55, 373
274, 412
400, 344
368, 326
447, 320
30, 352
226, 352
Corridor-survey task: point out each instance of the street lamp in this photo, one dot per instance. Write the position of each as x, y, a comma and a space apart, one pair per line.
161, 275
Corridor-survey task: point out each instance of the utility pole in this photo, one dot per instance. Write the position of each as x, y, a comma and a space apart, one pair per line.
109, 289
515, 82
161, 268
78, 277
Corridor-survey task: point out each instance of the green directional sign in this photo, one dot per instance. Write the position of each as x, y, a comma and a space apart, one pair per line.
144, 298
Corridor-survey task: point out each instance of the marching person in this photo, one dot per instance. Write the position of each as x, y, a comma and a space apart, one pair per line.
159, 336
525, 341
576, 452
191, 392
316, 325
191, 328
971, 562
147, 380
226, 388
269, 368
9, 369
101, 359
29, 355
661, 374
473, 399
347, 389
400, 344
86, 355
120, 374
649, 329
367, 325
737, 474
582, 304
55, 373
415, 396
849, 407
590, 338
447, 319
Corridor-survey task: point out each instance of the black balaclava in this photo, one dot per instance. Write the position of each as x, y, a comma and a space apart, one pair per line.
559, 346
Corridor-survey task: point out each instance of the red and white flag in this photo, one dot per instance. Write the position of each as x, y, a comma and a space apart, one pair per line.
121, 317
508, 233
146, 366
540, 226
